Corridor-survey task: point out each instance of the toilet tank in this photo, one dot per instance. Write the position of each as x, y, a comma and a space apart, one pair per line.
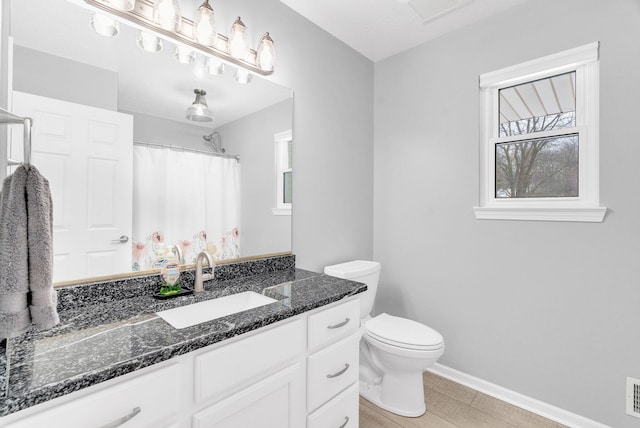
360, 271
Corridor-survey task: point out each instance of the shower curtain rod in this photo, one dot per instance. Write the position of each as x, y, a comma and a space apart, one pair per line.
186, 149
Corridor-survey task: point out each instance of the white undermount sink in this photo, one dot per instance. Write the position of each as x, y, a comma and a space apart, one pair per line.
186, 316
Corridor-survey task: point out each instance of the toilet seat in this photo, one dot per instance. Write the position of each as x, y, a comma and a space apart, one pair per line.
403, 333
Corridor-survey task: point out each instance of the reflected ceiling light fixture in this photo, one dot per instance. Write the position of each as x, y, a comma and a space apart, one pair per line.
163, 19
184, 55
104, 25
199, 111
148, 42
266, 54
167, 14
204, 26
238, 46
242, 76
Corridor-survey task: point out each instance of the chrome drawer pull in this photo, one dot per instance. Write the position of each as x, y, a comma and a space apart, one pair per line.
331, 376
346, 421
343, 323
122, 420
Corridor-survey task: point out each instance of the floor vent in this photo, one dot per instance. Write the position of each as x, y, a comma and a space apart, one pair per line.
633, 397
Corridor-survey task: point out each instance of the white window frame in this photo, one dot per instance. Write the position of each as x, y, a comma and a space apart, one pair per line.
585, 207
281, 141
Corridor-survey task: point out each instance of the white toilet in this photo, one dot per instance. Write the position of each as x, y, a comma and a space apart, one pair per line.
394, 351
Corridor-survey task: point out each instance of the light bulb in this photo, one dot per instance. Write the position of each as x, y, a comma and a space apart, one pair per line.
166, 13
104, 25
266, 54
242, 76
214, 66
149, 42
238, 46
204, 26
124, 5
184, 55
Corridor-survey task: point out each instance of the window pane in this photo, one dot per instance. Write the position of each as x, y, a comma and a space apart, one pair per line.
541, 105
286, 191
289, 162
538, 168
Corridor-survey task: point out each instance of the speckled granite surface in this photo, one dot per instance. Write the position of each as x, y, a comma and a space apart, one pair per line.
108, 330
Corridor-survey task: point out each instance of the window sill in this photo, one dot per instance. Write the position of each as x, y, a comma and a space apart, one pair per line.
590, 214
281, 211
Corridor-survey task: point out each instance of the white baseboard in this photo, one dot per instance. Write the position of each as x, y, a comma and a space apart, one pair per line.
548, 411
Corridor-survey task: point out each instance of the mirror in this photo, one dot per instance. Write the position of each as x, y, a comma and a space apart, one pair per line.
58, 56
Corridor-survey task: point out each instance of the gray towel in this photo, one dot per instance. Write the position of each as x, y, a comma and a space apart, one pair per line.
14, 276
44, 299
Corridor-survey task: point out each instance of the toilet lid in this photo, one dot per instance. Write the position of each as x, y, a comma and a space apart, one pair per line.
403, 333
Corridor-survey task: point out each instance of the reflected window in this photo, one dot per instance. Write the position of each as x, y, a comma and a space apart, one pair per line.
283, 172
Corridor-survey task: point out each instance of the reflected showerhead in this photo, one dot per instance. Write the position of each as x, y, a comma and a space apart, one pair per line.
214, 140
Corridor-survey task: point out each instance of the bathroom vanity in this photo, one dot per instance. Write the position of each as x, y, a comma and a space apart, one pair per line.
291, 363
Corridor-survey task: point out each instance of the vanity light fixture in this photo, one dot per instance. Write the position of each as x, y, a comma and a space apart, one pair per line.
199, 111
104, 25
148, 42
184, 55
162, 19
266, 54
238, 46
204, 26
167, 14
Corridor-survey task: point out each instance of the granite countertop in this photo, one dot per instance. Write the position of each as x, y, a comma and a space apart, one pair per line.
102, 338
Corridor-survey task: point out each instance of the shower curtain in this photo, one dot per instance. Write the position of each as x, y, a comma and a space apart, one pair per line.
187, 199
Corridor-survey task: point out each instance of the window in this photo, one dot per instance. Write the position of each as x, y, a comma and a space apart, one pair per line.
284, 172
539, 140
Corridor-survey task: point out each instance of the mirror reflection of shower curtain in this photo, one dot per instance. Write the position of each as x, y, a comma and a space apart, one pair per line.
187, 199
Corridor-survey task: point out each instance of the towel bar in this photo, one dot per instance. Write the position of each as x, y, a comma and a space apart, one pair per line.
10, 118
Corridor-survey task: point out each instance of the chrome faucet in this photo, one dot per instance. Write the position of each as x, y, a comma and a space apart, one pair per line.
200, 277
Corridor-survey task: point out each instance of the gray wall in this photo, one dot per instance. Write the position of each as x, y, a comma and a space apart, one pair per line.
150, 129
333, 134
252, 139
63, 79
550, 310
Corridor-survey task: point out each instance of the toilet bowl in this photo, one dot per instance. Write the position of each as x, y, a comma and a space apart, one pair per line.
394, 351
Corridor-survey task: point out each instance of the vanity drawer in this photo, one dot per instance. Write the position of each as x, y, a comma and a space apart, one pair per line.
225, 370
332, 370
332, 324
152, 399
341, 412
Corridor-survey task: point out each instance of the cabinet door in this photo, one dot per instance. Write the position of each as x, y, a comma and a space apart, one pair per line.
275, 402
231, 368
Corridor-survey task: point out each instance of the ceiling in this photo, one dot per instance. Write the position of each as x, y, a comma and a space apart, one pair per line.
379, 29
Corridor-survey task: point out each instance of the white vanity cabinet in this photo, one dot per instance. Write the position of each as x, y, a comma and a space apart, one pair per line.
298, 372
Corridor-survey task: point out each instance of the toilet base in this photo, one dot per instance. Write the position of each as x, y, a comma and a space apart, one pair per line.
373, 394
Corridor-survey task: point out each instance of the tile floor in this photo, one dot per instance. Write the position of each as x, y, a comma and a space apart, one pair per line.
451, 405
